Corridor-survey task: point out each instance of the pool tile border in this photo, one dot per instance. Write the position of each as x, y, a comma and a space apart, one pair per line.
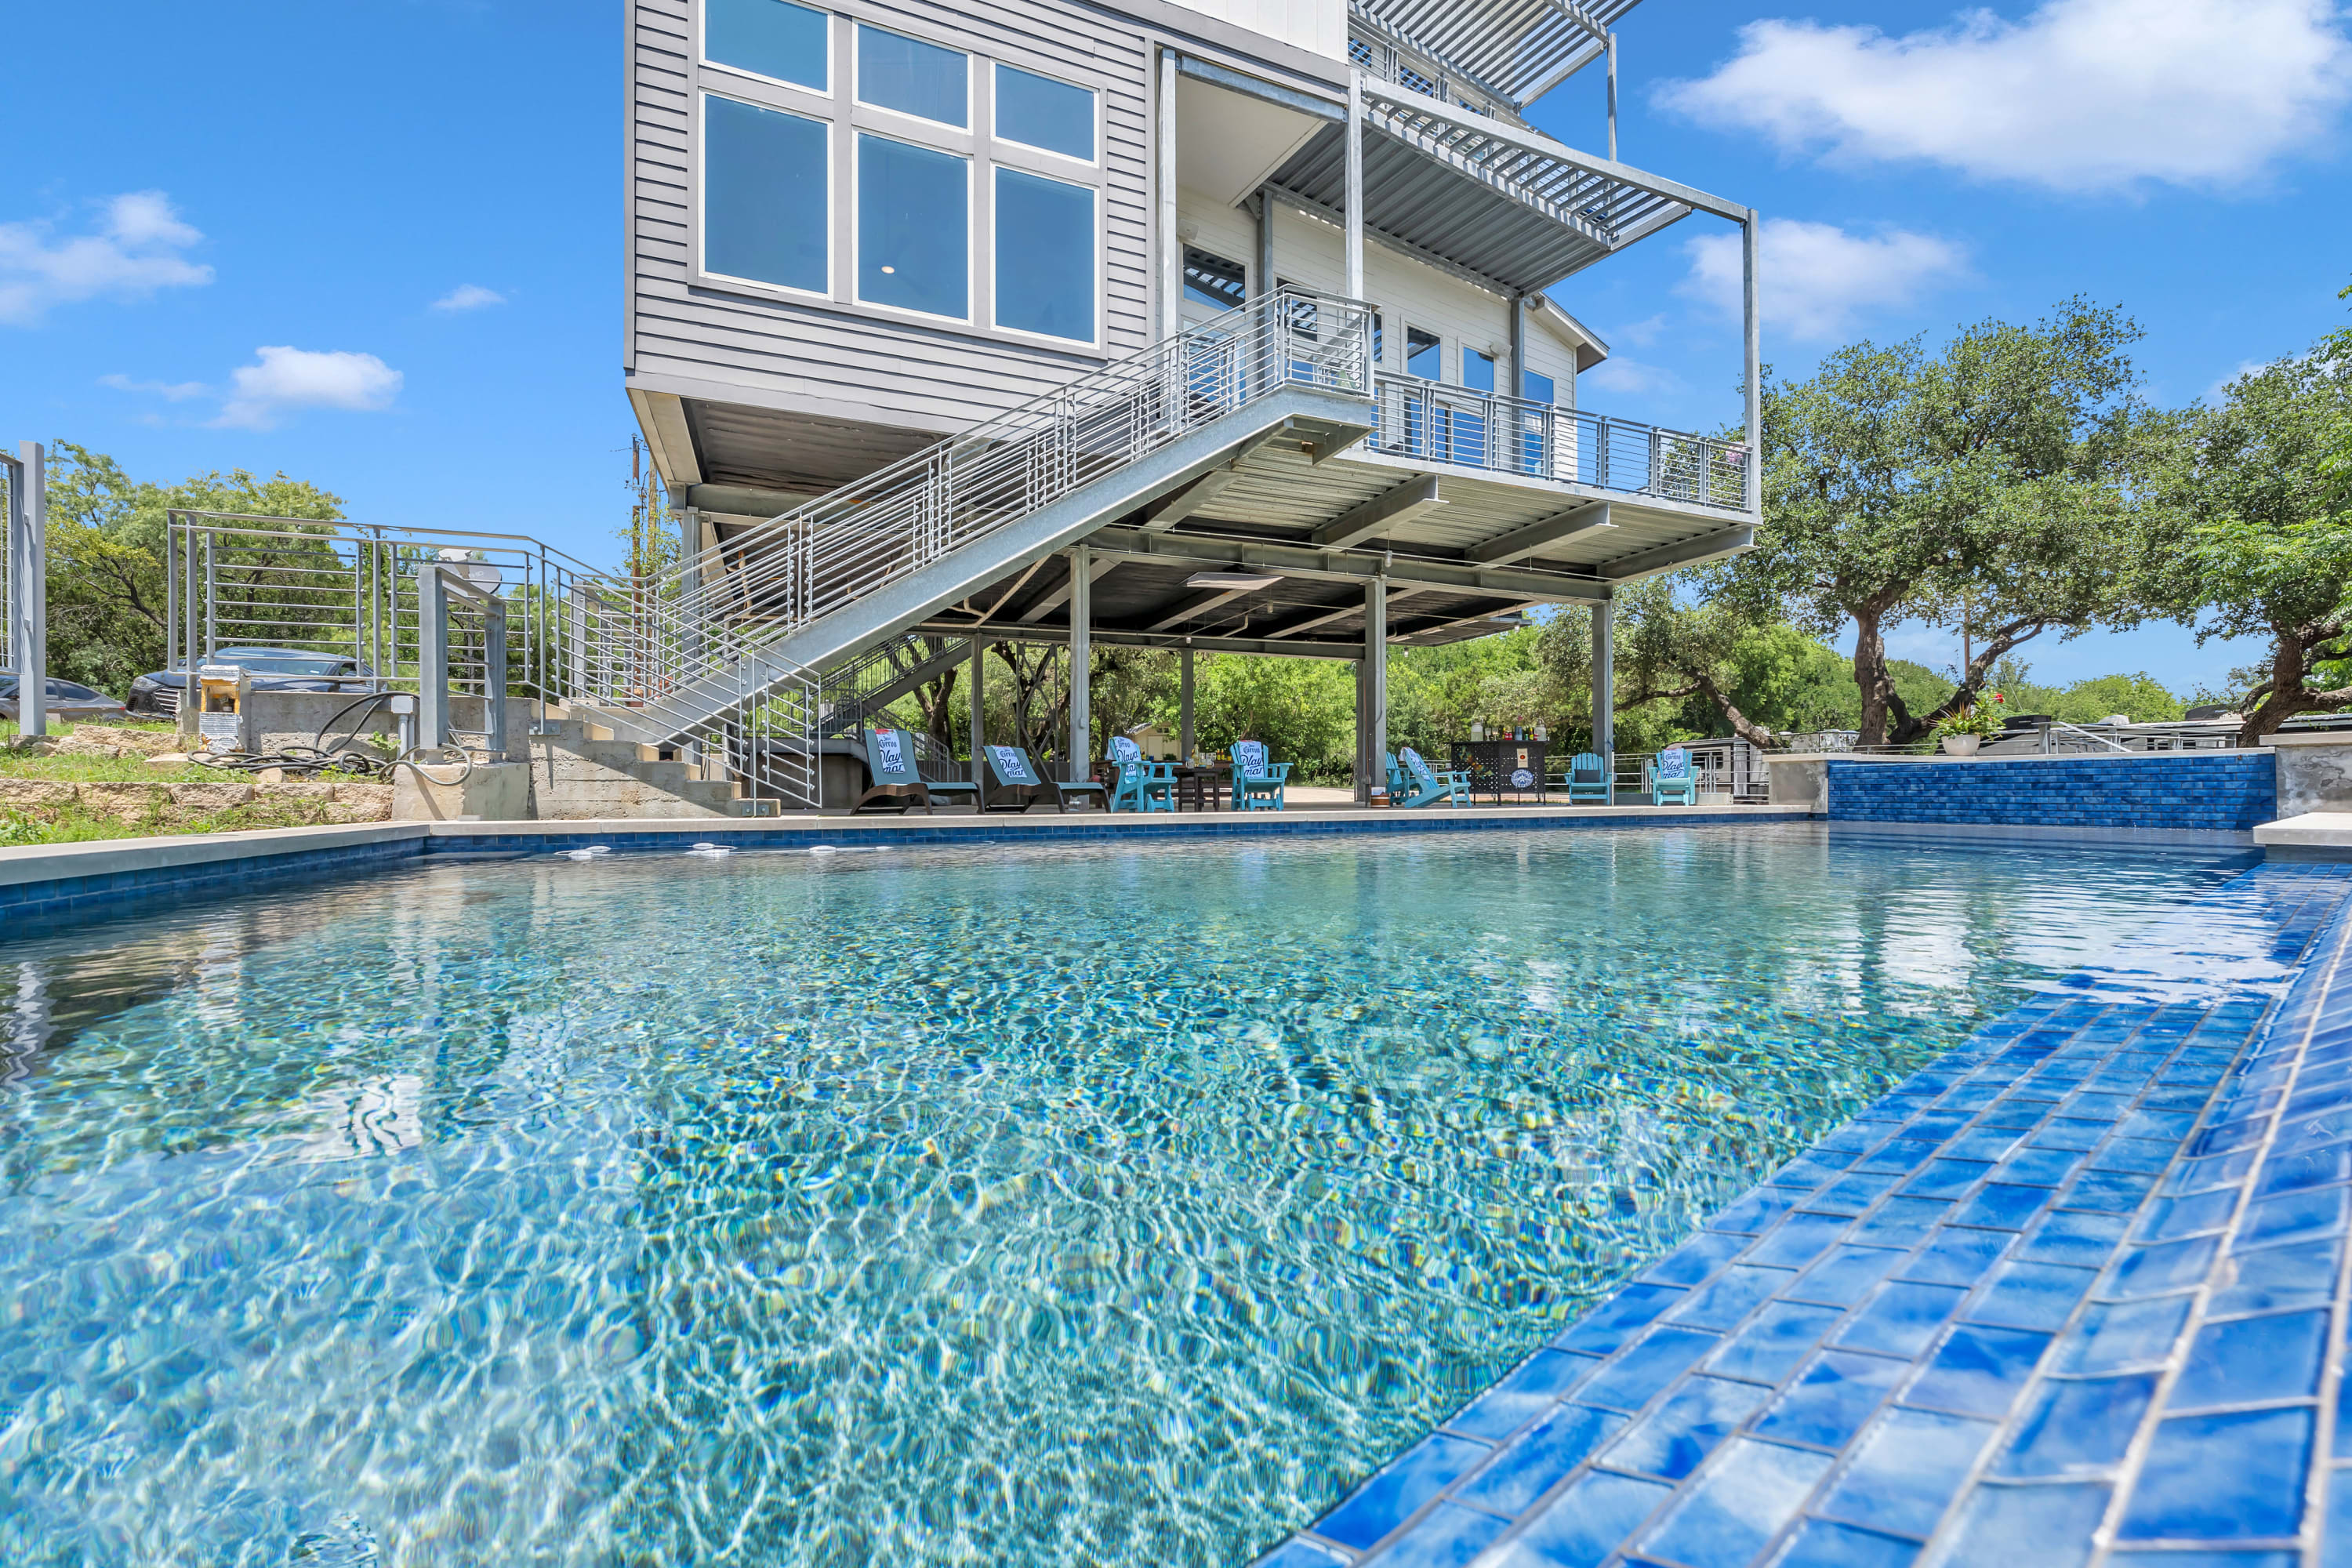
2075, 1293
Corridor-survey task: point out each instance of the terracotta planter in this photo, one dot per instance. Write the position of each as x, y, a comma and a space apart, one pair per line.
1962, 745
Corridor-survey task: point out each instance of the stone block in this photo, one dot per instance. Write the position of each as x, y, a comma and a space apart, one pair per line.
126, 802
209, 797
283, 788
34, 792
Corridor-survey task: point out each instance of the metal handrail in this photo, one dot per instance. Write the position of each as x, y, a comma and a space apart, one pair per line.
1438, 423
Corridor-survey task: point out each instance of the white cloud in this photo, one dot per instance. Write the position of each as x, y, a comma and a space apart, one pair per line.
1814, 278
2080, 95
287, 379
171, 392
1628, 378
470, 297
135, 251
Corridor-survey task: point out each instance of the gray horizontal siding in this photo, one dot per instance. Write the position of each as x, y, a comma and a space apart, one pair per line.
789, 354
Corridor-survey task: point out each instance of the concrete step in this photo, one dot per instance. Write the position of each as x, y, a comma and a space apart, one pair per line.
584, 774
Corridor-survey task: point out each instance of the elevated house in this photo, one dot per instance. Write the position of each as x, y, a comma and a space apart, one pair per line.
1227, 325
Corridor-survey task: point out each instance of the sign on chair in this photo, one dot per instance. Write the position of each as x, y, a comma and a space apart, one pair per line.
890, 751
1011, 765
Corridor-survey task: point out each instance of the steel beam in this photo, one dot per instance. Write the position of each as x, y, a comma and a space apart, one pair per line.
1299, 561
1055, 600
1541, 534
1199, 607
1386, 511
1341, 613
1120, 636
1683, 553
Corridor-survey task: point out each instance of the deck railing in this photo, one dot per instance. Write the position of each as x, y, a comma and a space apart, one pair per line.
1435, 423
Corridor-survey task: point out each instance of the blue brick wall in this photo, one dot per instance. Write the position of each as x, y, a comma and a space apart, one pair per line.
2216, 789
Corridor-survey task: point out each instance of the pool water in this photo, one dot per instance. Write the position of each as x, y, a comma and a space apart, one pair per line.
1047, 1205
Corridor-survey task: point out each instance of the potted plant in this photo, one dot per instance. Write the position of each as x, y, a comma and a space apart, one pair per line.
1963, 732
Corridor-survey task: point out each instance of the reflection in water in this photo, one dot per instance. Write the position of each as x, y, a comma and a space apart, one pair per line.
1060, 1206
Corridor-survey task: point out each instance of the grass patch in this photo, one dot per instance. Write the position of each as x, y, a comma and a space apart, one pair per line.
22, 825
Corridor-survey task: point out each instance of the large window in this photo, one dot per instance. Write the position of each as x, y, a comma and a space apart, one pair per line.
913, 78
772, 37
765, 186
914, 223
1424, 356
904, 181
1038, 111
1538, 388
1045, 256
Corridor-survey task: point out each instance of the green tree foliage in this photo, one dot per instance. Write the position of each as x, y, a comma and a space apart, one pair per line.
106, 540
1989, 484
2255, 538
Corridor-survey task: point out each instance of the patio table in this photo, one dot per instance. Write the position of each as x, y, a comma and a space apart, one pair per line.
1203, 788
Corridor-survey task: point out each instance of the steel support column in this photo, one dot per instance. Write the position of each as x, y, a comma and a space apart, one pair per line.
1264, 241
1171, 249
1354, 213
979, 720
432, 657
1081, 728
28, 615
1604, 688
1754, 370
1184, 704
1376, 679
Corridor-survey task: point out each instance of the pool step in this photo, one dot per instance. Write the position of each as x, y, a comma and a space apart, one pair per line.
582, 773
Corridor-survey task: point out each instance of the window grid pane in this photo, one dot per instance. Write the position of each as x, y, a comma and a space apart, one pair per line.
1045, 256
1539, 388
774, 37
1424, 356
1039, 111
914, 228
913, 77
1210, 279
1477, 370
765, 176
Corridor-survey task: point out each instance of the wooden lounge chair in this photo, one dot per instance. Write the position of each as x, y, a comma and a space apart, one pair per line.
1020, 783
890, 763
1143, 785
1258, 783
1670, 777
1429, 786
1588, 780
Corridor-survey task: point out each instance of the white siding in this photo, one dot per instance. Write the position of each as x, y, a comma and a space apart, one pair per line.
739, 345
1319, 27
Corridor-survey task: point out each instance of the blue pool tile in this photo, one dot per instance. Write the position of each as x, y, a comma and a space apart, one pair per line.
2078, 1427
1538, 1457
2003, 1207
2227, 1477
1694, 1259
1410, 1480
2293, 1217
2012, 1527
2085, 1240
1819, 1543
1984, 1144
1754, 1214
2169, 1219
2106, 1191
1844, 1275
1583, 1525
1637, 1373
1955, 1256
2065, 1132
1977, 1370
1851, 1194
2247, 1359
1900, 1222
1530, 1389
1301, 1554
2165, 1129
2302, 1274
1902, 1156
1673, 1439
1448, 1537
1768, 1349
2220, 1170
2254, 1558
1900, 1319
1809, 1170
2031, 1295
1799, 1239
1619, 1319
2305, 1169
1829, 1403
2162, 1268
2141, 1156
2336, 1546
2039, 1167
2113, 1336
1750, 1490
1946, 1178
1733, 1293
1907, 1471
2016, 1115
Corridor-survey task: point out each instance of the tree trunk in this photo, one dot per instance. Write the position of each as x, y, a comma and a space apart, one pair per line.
1870, 674
1742, 725
2293, 650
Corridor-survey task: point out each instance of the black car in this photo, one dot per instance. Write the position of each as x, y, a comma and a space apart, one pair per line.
274, 669
68, 701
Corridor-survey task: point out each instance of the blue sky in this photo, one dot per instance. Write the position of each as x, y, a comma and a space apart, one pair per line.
378, 246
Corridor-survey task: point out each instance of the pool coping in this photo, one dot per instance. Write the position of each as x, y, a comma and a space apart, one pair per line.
2194, 1217
66, 879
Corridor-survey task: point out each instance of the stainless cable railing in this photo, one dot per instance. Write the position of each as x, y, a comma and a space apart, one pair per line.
1436, 423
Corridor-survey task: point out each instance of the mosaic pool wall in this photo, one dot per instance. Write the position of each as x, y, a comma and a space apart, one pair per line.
2216, 791
2074, 1294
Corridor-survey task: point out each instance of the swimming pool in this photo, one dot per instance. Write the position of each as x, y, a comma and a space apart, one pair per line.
1016, 1205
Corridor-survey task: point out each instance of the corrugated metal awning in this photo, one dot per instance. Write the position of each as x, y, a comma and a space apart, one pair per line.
1519, 48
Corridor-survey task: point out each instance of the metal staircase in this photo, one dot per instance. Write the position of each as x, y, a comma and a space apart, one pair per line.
723, 655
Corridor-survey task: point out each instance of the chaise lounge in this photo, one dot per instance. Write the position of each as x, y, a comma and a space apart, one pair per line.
890, 764
1022, 784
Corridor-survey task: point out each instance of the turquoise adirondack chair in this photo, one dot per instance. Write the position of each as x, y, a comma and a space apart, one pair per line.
1671, 778
1397, 790
1258, 783
1588, 779
1143, 785
1429, 786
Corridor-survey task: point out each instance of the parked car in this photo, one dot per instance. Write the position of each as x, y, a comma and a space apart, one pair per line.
67, 701
274, 669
